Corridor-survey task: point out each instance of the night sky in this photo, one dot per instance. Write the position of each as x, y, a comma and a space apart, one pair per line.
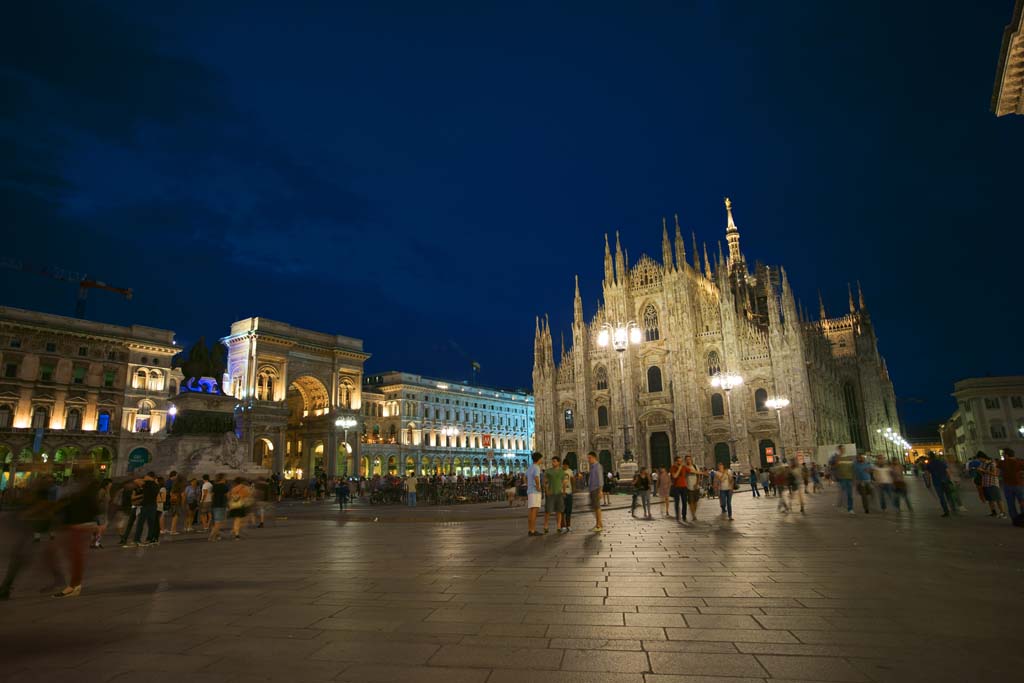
430, 180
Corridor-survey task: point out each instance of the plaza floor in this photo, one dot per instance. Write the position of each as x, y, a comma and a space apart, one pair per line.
462, 595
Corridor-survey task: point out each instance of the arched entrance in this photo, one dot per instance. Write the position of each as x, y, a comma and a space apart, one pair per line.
766, 447
722, 454
264, 453
661, 451
605, 458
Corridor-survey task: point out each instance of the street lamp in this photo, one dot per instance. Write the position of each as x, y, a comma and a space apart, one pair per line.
620, 336
777, 404
450, 432
885, 437
727, 383
344, 423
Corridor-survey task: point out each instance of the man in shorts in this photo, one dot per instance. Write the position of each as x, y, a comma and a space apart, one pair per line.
533, 495
595, 482
554, 501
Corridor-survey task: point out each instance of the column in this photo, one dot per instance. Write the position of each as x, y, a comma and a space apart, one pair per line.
279, 448
331, 445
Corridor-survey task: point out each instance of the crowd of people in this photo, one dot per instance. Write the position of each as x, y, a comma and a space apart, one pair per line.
66, 518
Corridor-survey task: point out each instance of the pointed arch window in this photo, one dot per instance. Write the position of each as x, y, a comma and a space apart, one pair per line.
654, 379
717, 405
602, 416
601, 378
714, 364
651, 331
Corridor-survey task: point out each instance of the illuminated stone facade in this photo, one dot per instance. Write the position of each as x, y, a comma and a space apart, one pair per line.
989, 417
292, 385
78, 391
697, 321
414, 424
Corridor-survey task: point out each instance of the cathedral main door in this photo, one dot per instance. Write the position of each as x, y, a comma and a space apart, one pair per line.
722, 454
661, 451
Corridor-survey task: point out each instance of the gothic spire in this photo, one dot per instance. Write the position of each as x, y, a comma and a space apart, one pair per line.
849, 293
696, 254
732, 234
577, 305
707, 262
860, 297
620, 267
821, 306
666, 246
609, 270
680, 247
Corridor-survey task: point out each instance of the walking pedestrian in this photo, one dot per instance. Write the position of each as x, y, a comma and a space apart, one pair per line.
642, 487
990, 485
899, 486
882, 475
1012, 470
797, 486
842, 471
937, 472
594, 484
754, 483
30, 525
239, 502
664, 487
80, 510
862, 475
554, 498
146, 517
678, 477
765, 478
102, 510
533, 495
780, 475
567, 489
218, 506
724, 483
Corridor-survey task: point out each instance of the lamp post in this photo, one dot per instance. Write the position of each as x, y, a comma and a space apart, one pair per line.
777, 404
345, 424
620, 336
450, 432
727, 382
886, 439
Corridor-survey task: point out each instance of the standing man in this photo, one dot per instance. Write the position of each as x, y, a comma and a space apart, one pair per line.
692, 487
206, 503
411, 482
1012, 470
883, 482
595, 482
554, 501
989, 475
862, 473
147, 510
533, 495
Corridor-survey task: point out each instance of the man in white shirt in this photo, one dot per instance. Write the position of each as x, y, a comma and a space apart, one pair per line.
533, 495
206, 503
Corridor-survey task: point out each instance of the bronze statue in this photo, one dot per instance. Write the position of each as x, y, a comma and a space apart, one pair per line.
202, 362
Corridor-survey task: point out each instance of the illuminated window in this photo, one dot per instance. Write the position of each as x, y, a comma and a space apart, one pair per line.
569, 421
103, 422
141, 377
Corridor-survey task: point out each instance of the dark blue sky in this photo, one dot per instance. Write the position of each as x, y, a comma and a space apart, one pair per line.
431, 179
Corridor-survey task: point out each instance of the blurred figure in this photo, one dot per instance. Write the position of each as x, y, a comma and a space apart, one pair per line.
882, 475
79, 508
796, 486
780, 483
191, 504
765, 478
990, 485
642, 486
567, 489
664, 486
239, 499
102, 510
28, 527
219, 506
899, 486
1012, 470
692, 473
206, 503
178, 506
131, 499
340, 493
842, 471
862, 474
815, 478
754, 483
147, 512
936, 476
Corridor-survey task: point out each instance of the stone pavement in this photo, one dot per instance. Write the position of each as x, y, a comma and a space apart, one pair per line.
821, 597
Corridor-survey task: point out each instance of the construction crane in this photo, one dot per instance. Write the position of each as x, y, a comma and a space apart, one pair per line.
81, 279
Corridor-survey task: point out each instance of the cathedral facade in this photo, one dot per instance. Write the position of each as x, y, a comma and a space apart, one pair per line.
697, 321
